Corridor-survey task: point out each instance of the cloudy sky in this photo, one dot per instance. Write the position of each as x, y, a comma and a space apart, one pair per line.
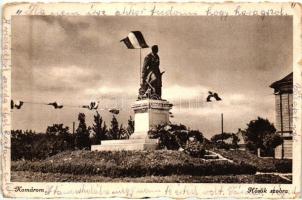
75, 60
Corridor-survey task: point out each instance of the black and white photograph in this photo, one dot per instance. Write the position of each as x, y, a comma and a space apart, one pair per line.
152, 99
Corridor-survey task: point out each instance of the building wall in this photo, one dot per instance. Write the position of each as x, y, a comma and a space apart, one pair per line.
287, 119
287, 112
288, 149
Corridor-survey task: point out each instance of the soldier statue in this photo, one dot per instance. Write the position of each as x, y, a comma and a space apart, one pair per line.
151, 76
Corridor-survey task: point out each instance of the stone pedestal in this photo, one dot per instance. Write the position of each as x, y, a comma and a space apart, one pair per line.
148, 114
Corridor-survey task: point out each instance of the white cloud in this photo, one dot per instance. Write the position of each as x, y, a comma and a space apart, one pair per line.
182, 92
107, 91
61, 76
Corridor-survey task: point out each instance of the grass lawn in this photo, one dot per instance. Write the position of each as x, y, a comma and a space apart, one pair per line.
131, 164
149, 166
26, 176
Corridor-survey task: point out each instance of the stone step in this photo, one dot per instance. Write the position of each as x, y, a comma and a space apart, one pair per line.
131, 144
211, 156
129, 141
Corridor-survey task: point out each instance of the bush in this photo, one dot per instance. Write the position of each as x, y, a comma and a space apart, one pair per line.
283, 166
34, 146
173, 136
195, 149
219, 141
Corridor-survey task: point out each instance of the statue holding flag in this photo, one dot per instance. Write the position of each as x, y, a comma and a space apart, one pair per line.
151, 76
149, 109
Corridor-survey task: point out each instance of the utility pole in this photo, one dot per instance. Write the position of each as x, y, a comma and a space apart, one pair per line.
73, 127
221, 123
281, 123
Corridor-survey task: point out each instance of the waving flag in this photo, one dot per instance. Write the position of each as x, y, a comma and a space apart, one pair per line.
135, 40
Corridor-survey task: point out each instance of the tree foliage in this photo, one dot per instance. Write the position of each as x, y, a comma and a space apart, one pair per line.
260, 133
57, 138
219, 140
32, 146
130, 127
82, 139
174, 136
114, 132
99, 128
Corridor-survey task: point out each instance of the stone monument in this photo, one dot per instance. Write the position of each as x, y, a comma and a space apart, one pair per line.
149, 109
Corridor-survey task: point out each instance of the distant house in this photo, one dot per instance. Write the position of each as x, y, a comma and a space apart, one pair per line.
229, 140
242, 139
283, 90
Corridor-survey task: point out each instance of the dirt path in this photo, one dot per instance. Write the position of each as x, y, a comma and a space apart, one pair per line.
220, 157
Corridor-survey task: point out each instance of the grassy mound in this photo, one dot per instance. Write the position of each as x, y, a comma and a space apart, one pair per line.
262, 164
131, 164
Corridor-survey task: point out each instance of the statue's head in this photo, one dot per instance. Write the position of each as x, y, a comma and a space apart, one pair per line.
154, 49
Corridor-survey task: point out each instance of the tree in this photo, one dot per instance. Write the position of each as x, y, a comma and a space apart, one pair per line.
32, 146
57, 129
174, 136
114, 129
99, 129
123, 133
235, 140
272, 141
130, 127
219, 140
62, 133
82, 133
260, 134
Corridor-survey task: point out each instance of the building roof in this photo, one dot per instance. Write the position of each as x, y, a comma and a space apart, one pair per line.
283, 85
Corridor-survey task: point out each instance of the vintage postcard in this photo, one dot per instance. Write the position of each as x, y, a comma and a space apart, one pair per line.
145, 100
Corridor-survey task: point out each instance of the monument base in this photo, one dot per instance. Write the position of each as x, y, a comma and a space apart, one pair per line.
148, 114
128, 145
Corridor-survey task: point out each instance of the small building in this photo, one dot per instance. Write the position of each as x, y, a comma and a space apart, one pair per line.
228, 140
283, 90
241, 135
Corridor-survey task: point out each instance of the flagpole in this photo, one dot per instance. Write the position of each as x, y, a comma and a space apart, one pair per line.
140, 65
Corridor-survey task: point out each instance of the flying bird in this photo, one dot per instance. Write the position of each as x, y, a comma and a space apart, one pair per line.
216, 97
56, 105
93, 106
16, 104
213, 95
114, 111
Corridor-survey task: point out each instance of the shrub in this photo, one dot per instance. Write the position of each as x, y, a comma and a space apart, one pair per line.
195, 149
283, 166
35, 146
219, 140
173, 136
